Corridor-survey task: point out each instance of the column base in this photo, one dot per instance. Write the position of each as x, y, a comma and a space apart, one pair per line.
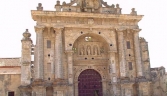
60, 87
38, 88
25, 90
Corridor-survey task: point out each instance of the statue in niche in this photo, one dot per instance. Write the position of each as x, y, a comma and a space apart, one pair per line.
82, 51
88, 50
95, 50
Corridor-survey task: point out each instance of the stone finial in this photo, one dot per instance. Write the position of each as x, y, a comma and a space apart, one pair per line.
64, 3
112, 6
26, 35
118, 9
117, 5
58, 2
133, 12
39, 8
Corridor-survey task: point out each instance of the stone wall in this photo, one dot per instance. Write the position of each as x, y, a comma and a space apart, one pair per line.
159, 84
9, 83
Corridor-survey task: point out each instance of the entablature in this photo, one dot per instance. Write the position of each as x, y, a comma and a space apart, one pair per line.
55, 25
53, 14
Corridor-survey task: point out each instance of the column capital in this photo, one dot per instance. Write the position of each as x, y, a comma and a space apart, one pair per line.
120, 29
39, 28
112, 51
58, 28
136, 30
69, 52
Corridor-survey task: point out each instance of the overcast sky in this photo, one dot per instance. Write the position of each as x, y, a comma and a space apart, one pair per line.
15, 17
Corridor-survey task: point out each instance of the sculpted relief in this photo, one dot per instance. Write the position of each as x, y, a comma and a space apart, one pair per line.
89, 48
95, 4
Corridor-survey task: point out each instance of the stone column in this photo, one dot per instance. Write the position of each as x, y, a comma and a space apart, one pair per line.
113, 71
39, 53
122, 61
58, 53
138, 53
70, 72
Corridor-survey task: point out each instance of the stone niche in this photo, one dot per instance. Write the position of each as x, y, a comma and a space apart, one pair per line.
90, 47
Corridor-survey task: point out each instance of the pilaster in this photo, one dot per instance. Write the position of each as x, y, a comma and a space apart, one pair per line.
138, 58
39, 53
70, 72
58, 54
122, 61
112, 71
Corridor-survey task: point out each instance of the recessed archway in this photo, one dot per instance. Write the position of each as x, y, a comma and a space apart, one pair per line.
90, 83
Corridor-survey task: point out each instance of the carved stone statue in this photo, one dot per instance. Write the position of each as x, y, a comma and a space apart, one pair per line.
82, 51
88, 50
95, 50
96, 4
92, 4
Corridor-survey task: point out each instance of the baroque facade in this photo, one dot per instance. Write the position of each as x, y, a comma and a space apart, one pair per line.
87, 49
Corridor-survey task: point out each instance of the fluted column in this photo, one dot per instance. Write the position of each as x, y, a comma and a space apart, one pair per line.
121, 47
58, 53
39, 53
138, 58
70, 71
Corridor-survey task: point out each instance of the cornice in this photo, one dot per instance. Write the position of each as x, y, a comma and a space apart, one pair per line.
36, 13
95, 26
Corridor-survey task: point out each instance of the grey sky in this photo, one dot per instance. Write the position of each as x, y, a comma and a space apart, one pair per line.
16, 17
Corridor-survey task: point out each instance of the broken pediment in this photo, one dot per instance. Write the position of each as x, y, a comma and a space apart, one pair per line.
92, 6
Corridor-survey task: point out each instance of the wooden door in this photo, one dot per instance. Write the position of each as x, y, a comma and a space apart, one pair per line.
90, 83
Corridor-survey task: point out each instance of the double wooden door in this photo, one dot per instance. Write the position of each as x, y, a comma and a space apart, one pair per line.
90, 83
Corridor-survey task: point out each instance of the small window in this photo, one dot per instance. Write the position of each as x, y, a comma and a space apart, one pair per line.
48, 44
48, 67
10, 93
130, 66
128, 44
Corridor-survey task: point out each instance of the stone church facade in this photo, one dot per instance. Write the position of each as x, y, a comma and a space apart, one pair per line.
86, 49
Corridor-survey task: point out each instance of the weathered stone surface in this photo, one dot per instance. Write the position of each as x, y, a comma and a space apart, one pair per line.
89, 37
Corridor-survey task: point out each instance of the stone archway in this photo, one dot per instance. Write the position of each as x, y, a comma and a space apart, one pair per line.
89, 83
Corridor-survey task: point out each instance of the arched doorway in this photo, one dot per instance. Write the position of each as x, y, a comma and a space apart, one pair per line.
90, 83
